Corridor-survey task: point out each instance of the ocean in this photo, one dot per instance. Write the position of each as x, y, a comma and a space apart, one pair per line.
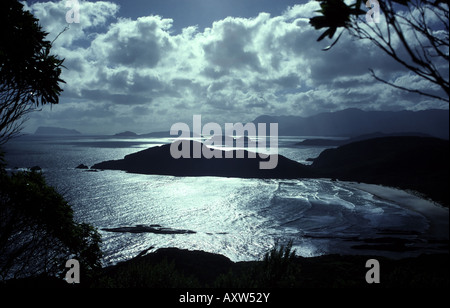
239, 218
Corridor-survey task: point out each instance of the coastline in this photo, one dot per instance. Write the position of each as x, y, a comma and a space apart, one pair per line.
436, 214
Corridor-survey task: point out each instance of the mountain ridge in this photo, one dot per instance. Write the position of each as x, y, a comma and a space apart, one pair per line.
354, 122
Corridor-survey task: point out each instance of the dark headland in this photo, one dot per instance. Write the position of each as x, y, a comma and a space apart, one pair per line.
407, 162
158, 160
413, 163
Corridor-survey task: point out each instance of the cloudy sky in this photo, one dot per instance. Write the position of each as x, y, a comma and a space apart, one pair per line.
143, 65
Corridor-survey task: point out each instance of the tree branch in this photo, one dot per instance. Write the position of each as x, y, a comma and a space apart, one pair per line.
406, 89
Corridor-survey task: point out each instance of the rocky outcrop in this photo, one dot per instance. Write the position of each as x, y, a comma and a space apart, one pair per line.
81, 166
149, 229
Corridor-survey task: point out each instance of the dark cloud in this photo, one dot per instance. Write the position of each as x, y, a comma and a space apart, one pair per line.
289, 81
143, 83
141, 111
121, 99
229, 50
134, 52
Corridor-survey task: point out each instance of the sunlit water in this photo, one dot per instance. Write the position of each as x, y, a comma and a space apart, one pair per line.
239, 218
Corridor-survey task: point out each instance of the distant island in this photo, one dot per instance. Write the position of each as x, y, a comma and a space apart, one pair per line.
150, 135
158, 160
55, 131
126, 134
407, 162
156, 135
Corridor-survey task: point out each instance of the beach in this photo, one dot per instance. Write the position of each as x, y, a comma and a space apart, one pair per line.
436, 214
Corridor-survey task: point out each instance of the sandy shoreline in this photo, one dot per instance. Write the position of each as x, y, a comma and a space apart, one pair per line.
437, 215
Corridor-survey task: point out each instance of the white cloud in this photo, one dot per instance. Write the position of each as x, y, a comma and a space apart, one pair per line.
234, 71
133, 43
52, 16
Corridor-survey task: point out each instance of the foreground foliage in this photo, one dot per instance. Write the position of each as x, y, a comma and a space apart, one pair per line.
29, 72
279, 269
38, 233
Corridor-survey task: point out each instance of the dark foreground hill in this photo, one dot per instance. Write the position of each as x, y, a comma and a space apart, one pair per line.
179, 268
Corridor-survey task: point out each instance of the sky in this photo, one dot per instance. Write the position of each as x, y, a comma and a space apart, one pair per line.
143, 65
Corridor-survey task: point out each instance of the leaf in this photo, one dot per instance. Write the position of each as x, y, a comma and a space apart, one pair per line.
401, 2
332, 31
337, 39
322, 36
318, 22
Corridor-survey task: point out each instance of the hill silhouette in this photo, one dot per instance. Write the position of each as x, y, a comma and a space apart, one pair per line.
158, 160
406, 162
55, 131
334, 142
355, 122
126, 134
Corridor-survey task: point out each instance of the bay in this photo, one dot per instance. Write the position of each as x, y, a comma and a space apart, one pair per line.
239, 218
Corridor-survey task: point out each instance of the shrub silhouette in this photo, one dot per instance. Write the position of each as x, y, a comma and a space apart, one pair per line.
38, 233
278, 269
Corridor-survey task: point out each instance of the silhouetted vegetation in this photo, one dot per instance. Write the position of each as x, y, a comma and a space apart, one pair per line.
38, 233
279, 268
141, 274
29, 74
171, 267
414, 33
